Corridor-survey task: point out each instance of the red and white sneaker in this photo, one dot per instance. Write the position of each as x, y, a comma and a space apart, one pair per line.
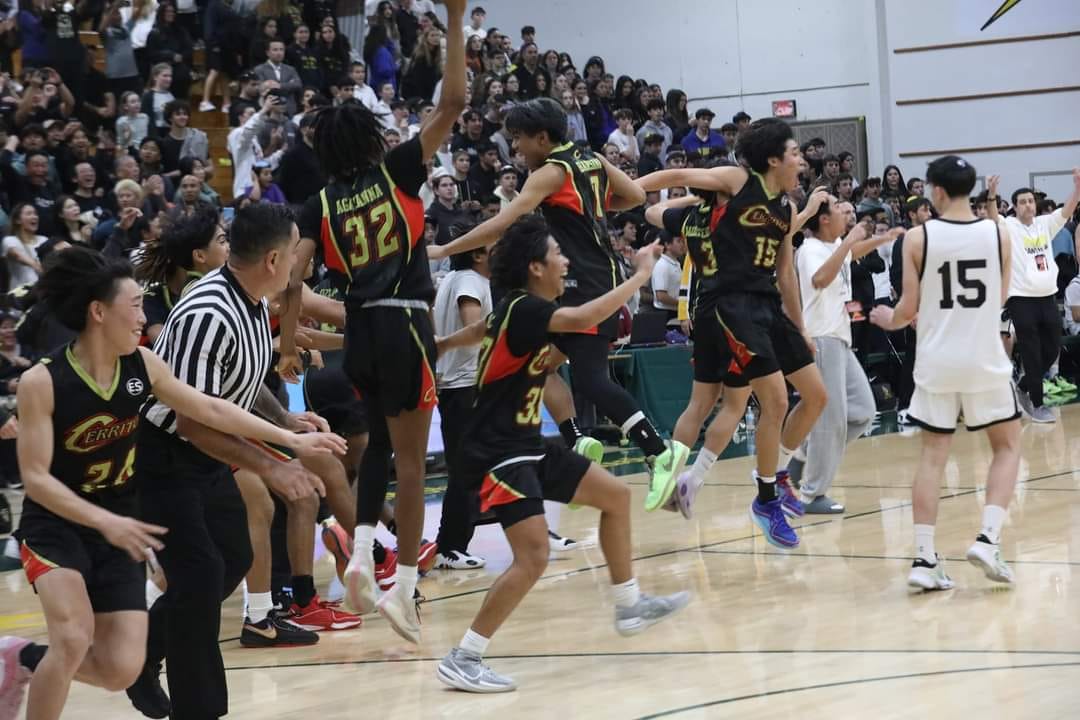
321, 616
425, 560
338, 544
385, 571
13, 677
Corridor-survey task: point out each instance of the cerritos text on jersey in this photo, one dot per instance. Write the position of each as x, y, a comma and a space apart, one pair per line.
360, 200
97, 431
759, 216
590, 165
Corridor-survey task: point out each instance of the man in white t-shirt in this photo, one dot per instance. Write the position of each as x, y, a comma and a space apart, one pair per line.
667, 275
1072, 307
1032, 288
823, 264
476, 24
464, 297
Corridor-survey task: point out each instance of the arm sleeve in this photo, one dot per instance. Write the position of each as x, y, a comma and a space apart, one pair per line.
405, 164
674, 219
528, 327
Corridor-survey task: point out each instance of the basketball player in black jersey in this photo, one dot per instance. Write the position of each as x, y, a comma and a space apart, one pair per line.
574, 188
761, 315
514, 470
82, 547
369, 224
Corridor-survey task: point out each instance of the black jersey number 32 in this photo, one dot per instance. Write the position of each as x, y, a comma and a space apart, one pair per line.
377, 222
949, 298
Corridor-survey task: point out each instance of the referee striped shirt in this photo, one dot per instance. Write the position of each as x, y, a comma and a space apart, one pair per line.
216, 340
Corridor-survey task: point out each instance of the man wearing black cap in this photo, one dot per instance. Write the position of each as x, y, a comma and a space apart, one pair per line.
704, 141
741, 120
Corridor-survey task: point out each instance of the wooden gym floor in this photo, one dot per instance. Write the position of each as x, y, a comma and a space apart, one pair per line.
827, 630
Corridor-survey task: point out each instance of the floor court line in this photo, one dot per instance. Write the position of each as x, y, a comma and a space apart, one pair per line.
847, 683
877, 557
661, 653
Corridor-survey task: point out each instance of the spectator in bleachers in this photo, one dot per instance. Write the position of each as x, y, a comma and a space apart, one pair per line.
158, 96
704, 140
87, 193
484, 173
333, 51
133, 125
139, 17
655, 125
188, 199
150, 163
266, 31
623, 138
379, 56
304, 58
198, 169
68, 223
276, 74
169, 42
300, 175
444, 212
250, 88
474, 55
460, 165
245, 148
34, 51
650, 155
121, 70
508, 186
182, 140
529, 71
33, 188
476, 24
408, 26
362, 92
424, 68
66, 52
20, 246
224, 53
261, 187
915, 186
893, 181
667, 275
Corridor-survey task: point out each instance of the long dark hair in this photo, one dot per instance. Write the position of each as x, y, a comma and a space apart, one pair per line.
160, 259
76, 277
348, 140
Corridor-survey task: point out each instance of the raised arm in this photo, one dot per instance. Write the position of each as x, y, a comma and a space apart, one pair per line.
466, 336
1069, 208
729, 180
869, 245
541, 183
34, 447
228, 418
625, 193
452, 99
581, 318
655, 214
828, 271
813, 204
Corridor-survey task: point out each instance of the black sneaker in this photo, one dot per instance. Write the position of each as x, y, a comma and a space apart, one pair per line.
5, 515
148, 696
275, 630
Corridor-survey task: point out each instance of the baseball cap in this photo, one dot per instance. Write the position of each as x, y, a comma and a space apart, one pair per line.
704, 112
654, 139
741, 115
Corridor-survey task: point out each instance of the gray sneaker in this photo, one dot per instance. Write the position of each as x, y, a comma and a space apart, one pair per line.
465, 671
1026, 406
1043, 415
823, 505
648, 611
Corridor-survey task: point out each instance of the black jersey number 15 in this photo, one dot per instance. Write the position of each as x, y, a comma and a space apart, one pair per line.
362, 226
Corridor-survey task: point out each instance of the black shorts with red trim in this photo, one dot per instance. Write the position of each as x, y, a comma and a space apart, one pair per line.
760, 337
712, 356
114, 582
516, 489
330, 393
389, 356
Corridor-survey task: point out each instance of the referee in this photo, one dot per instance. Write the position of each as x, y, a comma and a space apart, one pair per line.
217, 339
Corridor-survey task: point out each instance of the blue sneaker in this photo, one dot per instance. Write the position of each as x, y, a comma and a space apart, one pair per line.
770, 518
789, 499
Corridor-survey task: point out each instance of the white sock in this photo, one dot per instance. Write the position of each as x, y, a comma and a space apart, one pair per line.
406, 579
705, 460
767, 479
259, 606
784, 458
474, 643
993, 519
627, 594
363, 541
153, 592
924, 543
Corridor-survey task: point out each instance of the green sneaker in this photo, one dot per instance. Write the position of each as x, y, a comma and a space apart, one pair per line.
665, 473
591, 449
1050, 388
1064, 384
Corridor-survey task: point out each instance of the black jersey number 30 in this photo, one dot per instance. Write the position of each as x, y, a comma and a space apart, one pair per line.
949, 298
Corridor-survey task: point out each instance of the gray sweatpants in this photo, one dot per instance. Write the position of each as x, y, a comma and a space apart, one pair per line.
847, 415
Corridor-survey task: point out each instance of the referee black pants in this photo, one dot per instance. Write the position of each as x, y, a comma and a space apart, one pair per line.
1038, 340
207, 553
461, 504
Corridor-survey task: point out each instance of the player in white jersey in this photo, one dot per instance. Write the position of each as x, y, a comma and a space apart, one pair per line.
956, 278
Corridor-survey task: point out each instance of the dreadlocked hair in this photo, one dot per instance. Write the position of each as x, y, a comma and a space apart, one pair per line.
161, 258
348, 140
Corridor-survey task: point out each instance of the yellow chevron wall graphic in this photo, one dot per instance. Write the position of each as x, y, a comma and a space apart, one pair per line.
1005, 7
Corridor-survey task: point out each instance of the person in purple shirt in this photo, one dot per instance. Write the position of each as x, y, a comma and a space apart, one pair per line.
703, 140
264, 189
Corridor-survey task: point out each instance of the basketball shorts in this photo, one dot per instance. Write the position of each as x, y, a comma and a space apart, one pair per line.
939, 412
516, 491
760, 337
330, 393
114, 582
1006, 322
713, 362
389, 356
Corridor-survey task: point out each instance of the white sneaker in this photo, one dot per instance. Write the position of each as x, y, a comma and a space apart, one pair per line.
560, 544
648, 611
451, 560
402, 613
207, 106
925, 576
360, 583
987, 557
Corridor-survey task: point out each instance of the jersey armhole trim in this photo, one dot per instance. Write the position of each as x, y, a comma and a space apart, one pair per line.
925, 251
1001, 260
